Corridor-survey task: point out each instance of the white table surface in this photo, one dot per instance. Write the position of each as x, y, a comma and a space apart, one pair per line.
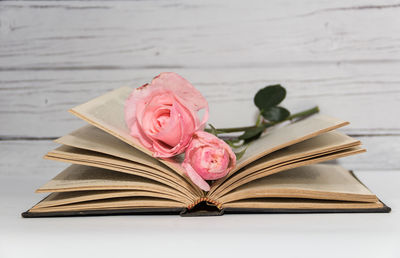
272, 235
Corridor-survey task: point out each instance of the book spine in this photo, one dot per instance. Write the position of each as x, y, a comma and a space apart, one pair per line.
205, 199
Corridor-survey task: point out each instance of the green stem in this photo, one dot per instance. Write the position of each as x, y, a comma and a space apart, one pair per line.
304, 113
307, 112
259, 119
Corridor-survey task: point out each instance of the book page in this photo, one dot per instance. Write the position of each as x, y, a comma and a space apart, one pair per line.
327, 142
64, 198
89, 158
231, 184
112, 204
278, 138
92, 138
322, 181
320, 145
84, 178
279, 203
72, 153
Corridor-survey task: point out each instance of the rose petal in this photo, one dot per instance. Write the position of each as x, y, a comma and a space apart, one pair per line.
171, 132
185, 92
137, 132
200, 182
179, 125
177, 134
182, 88
145, 108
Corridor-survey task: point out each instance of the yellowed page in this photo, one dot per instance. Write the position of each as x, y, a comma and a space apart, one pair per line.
64, 198
92, 138
322, 181
276, 169
287, 135
84, 157
300, 204
115, 203
325, 143
80, 178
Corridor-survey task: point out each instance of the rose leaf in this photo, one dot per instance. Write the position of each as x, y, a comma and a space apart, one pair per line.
275, 114
252, 133
269, 96
240, 154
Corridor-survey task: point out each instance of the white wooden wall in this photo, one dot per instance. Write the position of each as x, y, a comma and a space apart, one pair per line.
341, 55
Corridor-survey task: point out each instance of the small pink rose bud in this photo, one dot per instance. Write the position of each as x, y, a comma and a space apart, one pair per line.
207, 158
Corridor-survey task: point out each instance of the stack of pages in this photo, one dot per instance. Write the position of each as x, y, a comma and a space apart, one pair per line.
111, 173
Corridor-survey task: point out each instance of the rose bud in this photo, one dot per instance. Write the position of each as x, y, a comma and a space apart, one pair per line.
163, 115
207, 158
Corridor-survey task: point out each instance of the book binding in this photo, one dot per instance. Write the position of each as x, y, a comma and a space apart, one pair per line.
202, 208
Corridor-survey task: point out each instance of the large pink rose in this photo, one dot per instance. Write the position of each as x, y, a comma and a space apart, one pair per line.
207, 158
163, 115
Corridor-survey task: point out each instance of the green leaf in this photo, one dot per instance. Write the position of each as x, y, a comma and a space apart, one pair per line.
239, 154
269, 96
252, 133
275, 114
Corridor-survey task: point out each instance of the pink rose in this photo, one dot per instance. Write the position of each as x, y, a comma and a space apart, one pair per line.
163, 115
207, 158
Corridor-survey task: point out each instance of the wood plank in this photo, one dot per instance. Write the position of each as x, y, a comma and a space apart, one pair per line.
54, 55
383, 153
39, 108
24, 158
114, 35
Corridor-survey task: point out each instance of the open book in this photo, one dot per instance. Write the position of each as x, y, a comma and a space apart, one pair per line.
111, 173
